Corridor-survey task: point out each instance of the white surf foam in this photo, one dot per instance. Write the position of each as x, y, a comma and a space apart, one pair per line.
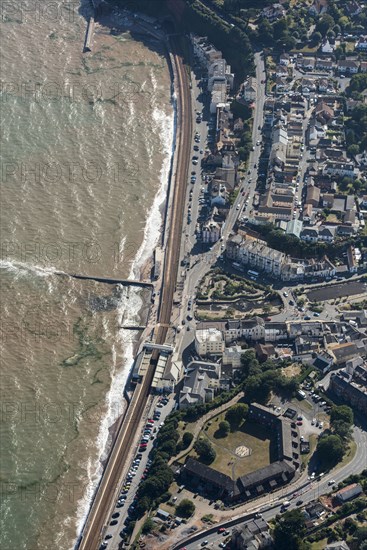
130, 301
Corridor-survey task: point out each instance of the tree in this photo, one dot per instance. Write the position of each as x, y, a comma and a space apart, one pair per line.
324, 24
224, 427
289, 531
185, 509
236, 415
353, 150
342, 429
330, 450
343, 413
186, 439
148, 526
205, 450
316, 38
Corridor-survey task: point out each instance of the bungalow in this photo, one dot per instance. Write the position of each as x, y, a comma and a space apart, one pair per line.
349, 493
347, 66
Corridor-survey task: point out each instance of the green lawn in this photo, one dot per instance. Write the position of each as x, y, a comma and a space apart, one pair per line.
252, 435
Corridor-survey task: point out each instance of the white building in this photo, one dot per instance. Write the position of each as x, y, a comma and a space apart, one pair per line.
209, 341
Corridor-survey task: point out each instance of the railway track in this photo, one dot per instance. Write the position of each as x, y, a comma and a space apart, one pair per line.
106, 494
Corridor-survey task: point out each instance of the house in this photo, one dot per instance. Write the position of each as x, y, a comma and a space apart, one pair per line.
307, 63
346, 66
326, 47
323, 113
363, 67
273, 12
209, 341
324, 64
362, 43
323, 84
199, 386
340, 545
351, 386
339, 168
281, 71
353, 8
313, 195
284, 59
294, 227
309, 234
211, 232
250, 89
265, 351
238, 125
280, 84
349, 492
232, 357
308, 85
316, 131
319, 7
253, 535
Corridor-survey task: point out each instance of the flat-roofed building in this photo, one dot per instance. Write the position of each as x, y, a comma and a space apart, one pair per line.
209, 341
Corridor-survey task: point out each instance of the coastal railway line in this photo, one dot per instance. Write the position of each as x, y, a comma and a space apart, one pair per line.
183, 146
128, 429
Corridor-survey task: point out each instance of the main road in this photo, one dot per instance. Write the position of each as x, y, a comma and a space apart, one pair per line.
125, 440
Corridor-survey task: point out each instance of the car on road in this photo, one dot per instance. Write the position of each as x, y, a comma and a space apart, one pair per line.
114, 522
238, 207
221, 530
285, 294
299, 502
204, 543
331, 482
196, 147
